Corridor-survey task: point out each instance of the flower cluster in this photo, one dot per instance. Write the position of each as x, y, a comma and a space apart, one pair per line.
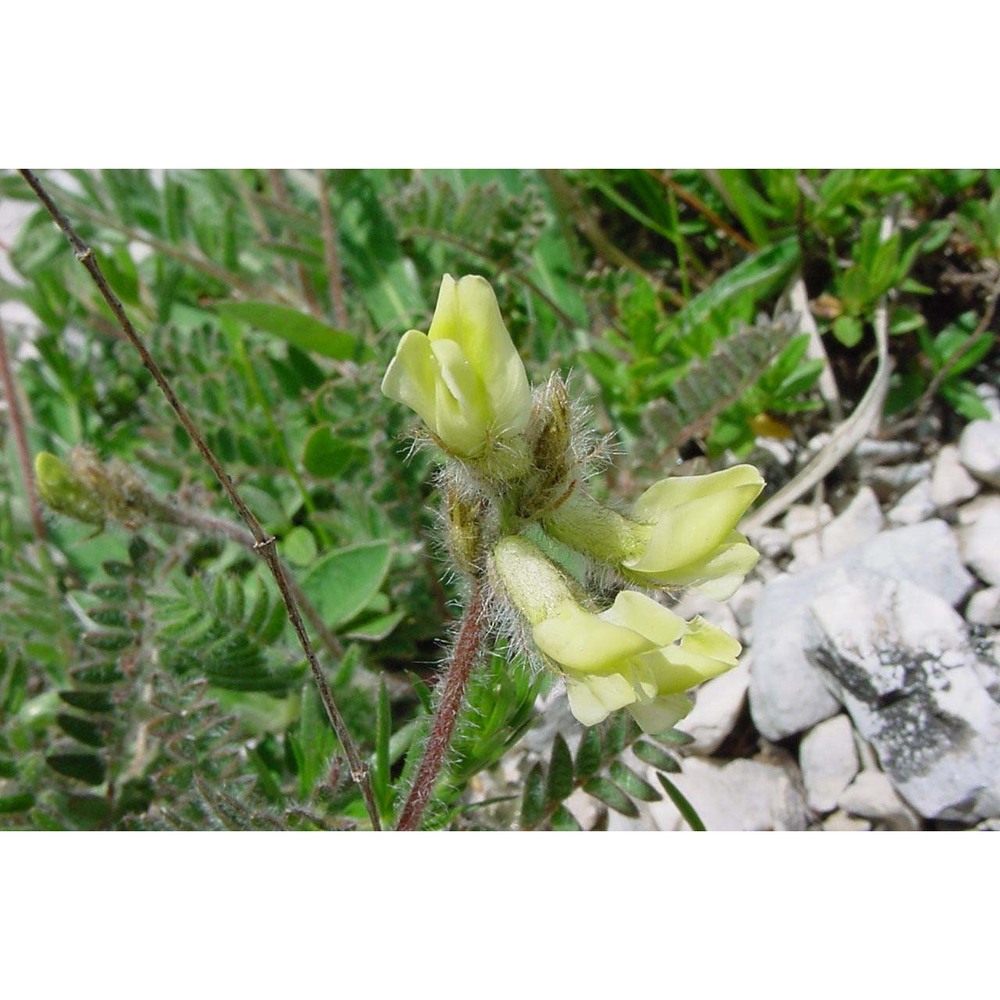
516, 465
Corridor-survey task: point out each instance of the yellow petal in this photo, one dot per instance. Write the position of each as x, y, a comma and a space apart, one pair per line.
705, 652
682, 489
717, 575
580, 641
412, 375
468, 314
592, 699
661, 714
691, 516
647, 617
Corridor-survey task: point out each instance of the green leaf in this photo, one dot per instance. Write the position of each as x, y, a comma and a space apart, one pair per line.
381, 778
329, 457
612, 796
588, 753
18, 802
298, 547
615, 734
962, 396
658, 757
110, 642
560, 780
683, 806
758, 274
533, 800
82, 730
102, 673
848, 330
85, 767
88, 701
315, 742
297, 328
563, 819
675, 737
375, 629
632, 784
342, 583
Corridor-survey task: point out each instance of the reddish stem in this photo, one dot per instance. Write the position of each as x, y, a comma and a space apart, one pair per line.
467, 648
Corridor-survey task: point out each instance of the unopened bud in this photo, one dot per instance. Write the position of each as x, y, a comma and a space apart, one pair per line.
65, 492
467, 528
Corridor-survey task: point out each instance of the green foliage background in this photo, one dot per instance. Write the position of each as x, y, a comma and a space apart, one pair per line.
148, 676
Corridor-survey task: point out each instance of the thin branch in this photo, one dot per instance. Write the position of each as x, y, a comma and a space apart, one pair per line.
210, 525
264, 544
331, 254
702, 209
7, 381
465, 656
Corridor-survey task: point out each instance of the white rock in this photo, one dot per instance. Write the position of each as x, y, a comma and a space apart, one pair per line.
984, 607
829, 762
617, 823
717, 706
950, 483
803, 523
886, 452
902, 664
787, 693
743, 602
970, 512
842, 822
926, 553
871, 795
743, 795
771, 542
859, 522
718, 613
990, 395
913, 506
980, 544
584, 808
979, 449
893, 479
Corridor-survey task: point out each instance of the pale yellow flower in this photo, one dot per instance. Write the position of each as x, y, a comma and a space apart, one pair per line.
636, 655
464, 377
680, 532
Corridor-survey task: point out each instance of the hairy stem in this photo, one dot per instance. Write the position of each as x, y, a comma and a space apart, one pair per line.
264, 544
465, 656
20, 438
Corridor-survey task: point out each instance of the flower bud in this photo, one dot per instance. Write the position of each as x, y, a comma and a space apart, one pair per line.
464, 378
65, 492
94, 491
466, 528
